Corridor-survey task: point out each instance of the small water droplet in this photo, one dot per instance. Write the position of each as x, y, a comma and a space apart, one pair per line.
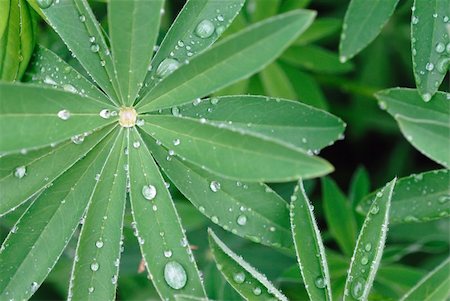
375, 209
166, 67
426, 97
99, 244
114, 279
64, 114
175, 111
257, 291
415, 20
239, 277
241, 220
429, 66
168, 253
44, 3
176, 142
205, 29
136, 144
82, 18
319, 282
105, 113
364, 260
90, 290
357, 288
175, 275
368, 247
77, 139
95, 47
214, 186
94, 266
20, 172
444, 199
201, 209
440, 47
215, 219
149, 192
69, 88
34, 287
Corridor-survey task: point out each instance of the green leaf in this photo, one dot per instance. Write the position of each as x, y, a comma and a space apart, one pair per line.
434, 286
339, 216
397, 277
417, 198
189, 298
429, 35
359, 186
10, 44
425, 125
164, 247
229, 61
245, 279
27, 123
316, 59
232, 154
250, 210
259, 10
191, 33
28, 28
369, 247
35, 170
363, 21
134, 28
39, 237
321, 28
4, 15
286, 122
309, 246
47, 68
276, 83
84, 39
96, 267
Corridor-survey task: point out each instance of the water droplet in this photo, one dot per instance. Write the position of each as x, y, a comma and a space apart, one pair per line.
136, 144
64, 114
368, 247
175, 111
44, 3
375, 209
214, 219
214, 100
149, 192
34, 287
426, 97
82, 18
94, 266
239, 277
69, 88
168, 253
357, 287
105, 113
175, 275
176, 142
20, 172
205, 29
257, 291
95, 47
429, 66
201, 209
241, 220
364, 260
440, 47
166, 67
77, 139
319, 282
443, 64
415, 20
90, 290
99, 244
444, 199
214, 186
114, 279
92, 39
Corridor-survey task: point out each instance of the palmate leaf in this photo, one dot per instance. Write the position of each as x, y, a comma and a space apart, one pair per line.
251, 210
227, 62
309, 247
245, 279
429, 35
47, 68
26, 256
434, 286
35, 170
363, 21
164, 247
232, 154
425, 125
369, 247
287, 122
96, 265
75, 23
134, 28
191, 33
32, 117
417, 198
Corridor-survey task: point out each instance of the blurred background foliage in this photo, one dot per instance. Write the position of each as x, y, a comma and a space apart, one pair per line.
372, 152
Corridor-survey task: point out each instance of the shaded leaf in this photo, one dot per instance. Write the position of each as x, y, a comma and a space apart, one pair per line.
320, 29
359, 186
276, 83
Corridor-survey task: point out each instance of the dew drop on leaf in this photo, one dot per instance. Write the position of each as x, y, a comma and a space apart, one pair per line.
444, 199
166, 67
44, 3
214, 219
105, 113
34, 287
114, 279
136, 144
239, 277
429, 66
69, 88
364, 260
214, 186
440, 47
368, 247
95, 47
319, 282
357, 288
91, 290
241, 220
20, 172
205, 29
168, 253
64, 114
175, 275
149, 192
374, 209
94, 266
99, 244
77, 139
257, 291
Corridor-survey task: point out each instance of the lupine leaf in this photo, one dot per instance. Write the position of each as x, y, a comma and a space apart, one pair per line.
429, 35
309, 246
134, 28
39, 168
418, 198
251, 210
296, 124
245, 279
276, 83
321, 28
359, 186
363, 21
419, 121
27, 34
27, 256
232, 154
27, 123
164, 247
434, 286
10, 44
369, 247
229, 61
95, 270
184, 42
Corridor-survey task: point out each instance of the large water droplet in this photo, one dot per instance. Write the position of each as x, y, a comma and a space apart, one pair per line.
44, 3
205, 29
175, 275
64, 114
149, 192
357, 287
166, 67
239, 277
214, 186
20, 172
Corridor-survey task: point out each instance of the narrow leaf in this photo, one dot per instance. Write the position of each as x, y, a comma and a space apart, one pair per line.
434, 286
339, 216
37, 240
417, 198
321, 29
96, 267
134, 28
359, 186
245, 279
229, 61
231, 153
32, 117
429, 35
250, 210
276, 82
10, 44
369, 247
164, 247
309, 247
363, 21
27, 35
35, 170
